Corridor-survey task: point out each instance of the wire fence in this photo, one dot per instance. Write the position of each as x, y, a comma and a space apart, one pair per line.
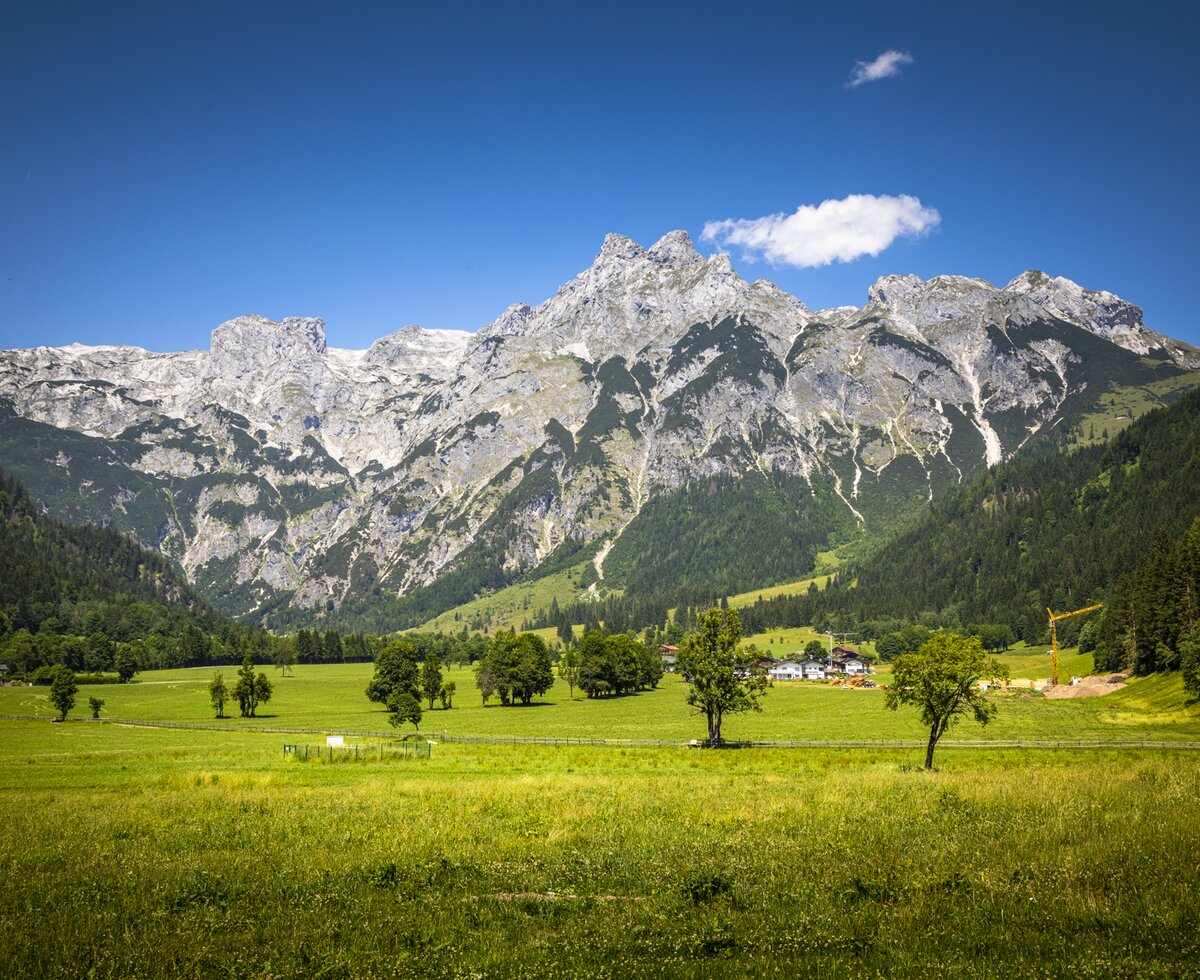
447, 737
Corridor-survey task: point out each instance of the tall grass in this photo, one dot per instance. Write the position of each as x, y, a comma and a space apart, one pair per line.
154, 853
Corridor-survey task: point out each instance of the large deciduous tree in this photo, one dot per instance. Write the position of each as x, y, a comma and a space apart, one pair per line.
517, 667
722, 679
942, 681
395, 670
125, 663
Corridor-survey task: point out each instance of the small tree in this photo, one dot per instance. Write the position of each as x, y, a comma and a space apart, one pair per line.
250, 691
447, 694
63, 690
285, 656
570, 667
721, 679
814, 649
404, 708
95, 704
431, 678
942, 680
218, 693
125, 663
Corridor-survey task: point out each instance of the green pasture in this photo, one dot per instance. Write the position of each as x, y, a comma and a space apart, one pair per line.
509, 607
332, 697
133, 852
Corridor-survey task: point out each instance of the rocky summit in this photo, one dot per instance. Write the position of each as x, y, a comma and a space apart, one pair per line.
293, 481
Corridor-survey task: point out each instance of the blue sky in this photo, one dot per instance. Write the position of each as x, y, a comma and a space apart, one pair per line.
166, 166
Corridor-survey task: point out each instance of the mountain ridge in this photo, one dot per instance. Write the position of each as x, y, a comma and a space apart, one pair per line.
281, 473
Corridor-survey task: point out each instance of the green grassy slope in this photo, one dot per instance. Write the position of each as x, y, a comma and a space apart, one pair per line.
509, 607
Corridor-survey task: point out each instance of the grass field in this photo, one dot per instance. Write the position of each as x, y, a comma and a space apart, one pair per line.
508, 608
333, 697
151, 853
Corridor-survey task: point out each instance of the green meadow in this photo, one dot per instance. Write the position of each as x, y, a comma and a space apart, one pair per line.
332, 697
134, 852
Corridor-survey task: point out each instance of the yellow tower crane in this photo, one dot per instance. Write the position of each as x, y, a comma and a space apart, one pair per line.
1054, 637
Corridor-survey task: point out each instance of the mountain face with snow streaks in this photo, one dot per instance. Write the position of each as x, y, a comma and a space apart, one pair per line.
294, 481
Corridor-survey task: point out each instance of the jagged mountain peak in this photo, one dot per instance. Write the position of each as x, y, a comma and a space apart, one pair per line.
900, 293
617, 250
255, 331
1027, 281
675, 249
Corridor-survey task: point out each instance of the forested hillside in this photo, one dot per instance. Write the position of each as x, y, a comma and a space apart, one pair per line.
1152, 620
1046, 529
75, 593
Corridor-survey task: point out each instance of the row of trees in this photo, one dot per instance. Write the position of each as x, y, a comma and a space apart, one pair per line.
610, 664
401, 682
940, 678
249, 691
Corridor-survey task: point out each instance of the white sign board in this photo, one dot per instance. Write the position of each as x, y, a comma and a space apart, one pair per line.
335, 741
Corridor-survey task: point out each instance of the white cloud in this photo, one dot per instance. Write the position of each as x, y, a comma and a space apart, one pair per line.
887, 65
833, 231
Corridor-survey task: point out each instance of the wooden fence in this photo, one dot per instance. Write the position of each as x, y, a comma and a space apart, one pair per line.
999, 743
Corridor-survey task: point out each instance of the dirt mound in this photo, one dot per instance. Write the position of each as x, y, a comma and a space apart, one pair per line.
1088, 687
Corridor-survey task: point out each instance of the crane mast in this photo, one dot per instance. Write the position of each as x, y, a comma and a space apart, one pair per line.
1054, 636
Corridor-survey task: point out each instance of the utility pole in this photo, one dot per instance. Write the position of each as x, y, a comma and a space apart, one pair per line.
831, 636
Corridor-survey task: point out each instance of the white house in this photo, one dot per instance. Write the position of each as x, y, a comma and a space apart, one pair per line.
788, 670
853, 665
813, 670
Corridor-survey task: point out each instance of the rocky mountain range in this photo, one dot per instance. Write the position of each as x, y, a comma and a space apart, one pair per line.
294, 481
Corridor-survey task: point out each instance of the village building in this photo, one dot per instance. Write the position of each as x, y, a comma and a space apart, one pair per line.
787, 670
814, 670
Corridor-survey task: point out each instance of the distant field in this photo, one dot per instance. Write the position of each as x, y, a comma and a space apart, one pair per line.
790, 588
175, 854
508, 608
333, 697
1120, 405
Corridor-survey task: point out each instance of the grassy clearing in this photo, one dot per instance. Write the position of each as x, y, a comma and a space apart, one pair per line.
1034, 662
135, 852
332, 697
509, 607
1121, 404
789, 588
